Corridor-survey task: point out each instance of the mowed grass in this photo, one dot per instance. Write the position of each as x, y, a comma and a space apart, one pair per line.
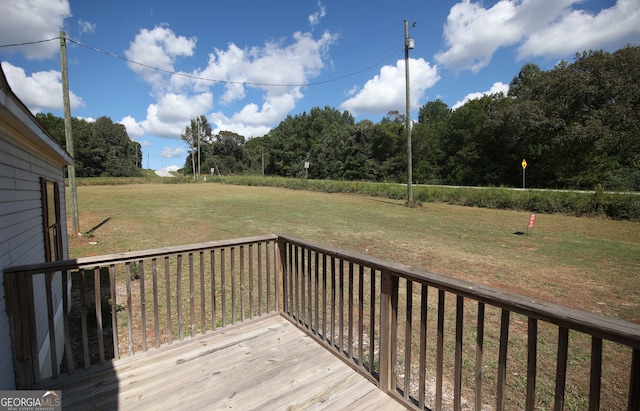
587, 263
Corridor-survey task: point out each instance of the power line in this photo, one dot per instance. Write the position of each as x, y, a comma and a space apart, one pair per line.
194, 77
29, 43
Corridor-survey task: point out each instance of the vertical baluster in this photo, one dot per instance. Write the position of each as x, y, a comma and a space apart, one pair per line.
203, 316
341, 310
316, 274
333, 301
156, 319
129, 312
393, 353
167, 287
300, 285
214, 313
261, 305
48, 278
143, 307
241, 288
309, 292
457, 392
634, 381
324, 297
596, 374
233, 285
288, 293
192, 309
179, 296
407, 338
424, 301
479, 352
83, 320
98, 303
268, 277
250, 280
350, 314
114, 312
502, 360
360, 314
532, 359
65, 316
372, 320
561, 368
440, 350
223, 288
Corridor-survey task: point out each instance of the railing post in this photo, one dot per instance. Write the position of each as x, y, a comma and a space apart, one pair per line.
16, 289
634, 381
281, 268
388, 320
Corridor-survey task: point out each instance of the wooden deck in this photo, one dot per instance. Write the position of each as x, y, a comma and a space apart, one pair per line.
262, 364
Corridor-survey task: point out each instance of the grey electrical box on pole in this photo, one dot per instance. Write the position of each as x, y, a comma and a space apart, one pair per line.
69, 133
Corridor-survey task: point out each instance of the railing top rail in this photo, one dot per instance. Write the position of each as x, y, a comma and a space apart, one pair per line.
594, 324
94, 261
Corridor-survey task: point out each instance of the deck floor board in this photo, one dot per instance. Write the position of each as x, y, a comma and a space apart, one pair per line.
265, 364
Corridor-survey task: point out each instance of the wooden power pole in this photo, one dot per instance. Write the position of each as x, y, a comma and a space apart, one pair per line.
69, 134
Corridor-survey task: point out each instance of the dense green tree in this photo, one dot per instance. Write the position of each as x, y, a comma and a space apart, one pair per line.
101, 147
577, 125
427, 139
581, 120
390, 148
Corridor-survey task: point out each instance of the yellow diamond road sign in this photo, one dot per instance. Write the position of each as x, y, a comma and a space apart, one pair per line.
524, 164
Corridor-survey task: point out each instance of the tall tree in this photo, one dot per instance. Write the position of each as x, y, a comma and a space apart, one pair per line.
195, 134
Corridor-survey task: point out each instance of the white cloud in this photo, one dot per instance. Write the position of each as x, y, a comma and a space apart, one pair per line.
169, 117
40, 91
255, 121
134, 129
496, 88
315, 18
579, 30
86, 26
274, 72
547, 28
157, 48
172, 152
26, 21
386, 91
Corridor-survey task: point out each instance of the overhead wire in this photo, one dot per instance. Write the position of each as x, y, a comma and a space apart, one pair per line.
29, 43
199, 78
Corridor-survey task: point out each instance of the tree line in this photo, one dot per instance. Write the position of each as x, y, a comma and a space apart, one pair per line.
101, 148
577, 125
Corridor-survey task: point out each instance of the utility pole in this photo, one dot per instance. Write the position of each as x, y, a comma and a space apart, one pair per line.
408, 45
71, 169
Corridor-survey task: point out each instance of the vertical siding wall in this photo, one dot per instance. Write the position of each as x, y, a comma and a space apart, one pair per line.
21, 235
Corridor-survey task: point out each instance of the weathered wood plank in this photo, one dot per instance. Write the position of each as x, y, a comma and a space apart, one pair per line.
266, 363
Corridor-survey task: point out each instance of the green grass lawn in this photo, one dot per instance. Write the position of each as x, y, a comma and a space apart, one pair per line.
587, 263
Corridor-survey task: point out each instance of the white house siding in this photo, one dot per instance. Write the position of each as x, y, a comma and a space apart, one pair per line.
26, 154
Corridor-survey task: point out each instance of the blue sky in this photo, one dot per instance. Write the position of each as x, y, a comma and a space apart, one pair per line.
247, 65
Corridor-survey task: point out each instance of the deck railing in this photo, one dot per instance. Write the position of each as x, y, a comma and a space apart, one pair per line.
430, 341
124, 303
440, 343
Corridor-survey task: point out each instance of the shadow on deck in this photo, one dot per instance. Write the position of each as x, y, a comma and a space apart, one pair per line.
266, 363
